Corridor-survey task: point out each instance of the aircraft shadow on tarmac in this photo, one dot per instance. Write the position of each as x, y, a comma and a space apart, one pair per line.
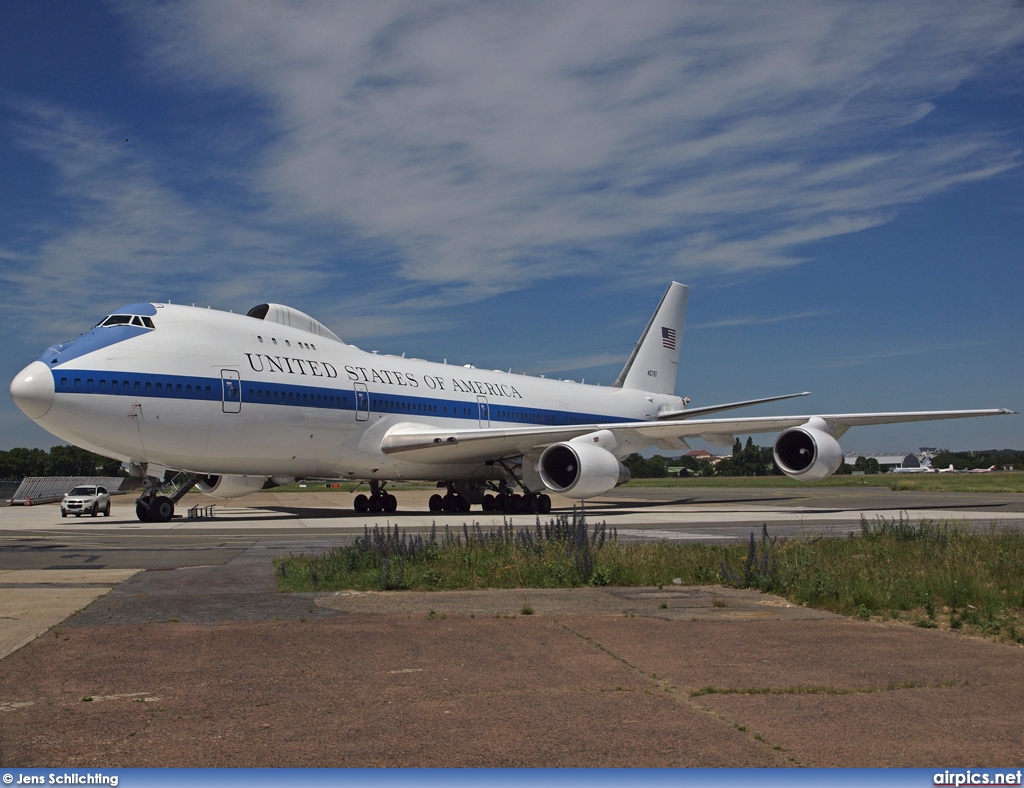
620, 505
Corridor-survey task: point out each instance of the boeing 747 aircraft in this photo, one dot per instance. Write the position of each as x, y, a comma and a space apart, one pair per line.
237, 402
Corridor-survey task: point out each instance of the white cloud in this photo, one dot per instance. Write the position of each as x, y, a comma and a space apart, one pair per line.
441, 153
494, 145
755, 320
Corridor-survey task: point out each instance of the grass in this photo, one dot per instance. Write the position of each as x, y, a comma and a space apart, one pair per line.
927, 573
1010, 481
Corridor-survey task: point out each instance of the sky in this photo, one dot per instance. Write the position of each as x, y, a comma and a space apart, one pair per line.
514, 184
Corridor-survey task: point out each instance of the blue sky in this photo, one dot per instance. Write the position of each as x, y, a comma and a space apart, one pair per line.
514, 184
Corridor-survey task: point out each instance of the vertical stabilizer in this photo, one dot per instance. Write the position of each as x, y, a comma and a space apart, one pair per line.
654, 363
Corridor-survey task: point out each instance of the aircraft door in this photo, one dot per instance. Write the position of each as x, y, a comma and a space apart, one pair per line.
231, 391
362, 402
483, 411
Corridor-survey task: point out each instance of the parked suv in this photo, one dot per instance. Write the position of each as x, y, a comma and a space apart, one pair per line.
86, 499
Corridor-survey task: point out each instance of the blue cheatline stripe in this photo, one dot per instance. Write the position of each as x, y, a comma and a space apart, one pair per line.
205, 389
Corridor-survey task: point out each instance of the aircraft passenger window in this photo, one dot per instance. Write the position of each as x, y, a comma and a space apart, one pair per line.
160, 387
313, 346
260, 339
289, 344
137, 385
177, 388
149, 386
113, 385
273, 340
207, 389
188, 388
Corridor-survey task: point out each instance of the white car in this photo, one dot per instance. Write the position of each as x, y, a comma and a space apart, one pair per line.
86, 499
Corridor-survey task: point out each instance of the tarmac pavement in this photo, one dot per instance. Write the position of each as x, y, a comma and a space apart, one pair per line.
199, 661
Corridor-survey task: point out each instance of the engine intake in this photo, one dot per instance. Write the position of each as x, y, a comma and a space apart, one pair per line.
230, 486
580, 470
808, 453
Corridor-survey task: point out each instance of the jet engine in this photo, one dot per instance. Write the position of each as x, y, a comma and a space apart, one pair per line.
580, 470
230, 486
808, 452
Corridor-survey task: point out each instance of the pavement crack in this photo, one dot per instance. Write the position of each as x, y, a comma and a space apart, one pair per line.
683, 698
826, 690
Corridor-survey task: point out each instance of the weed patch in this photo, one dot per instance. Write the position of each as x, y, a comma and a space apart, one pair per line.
932, 574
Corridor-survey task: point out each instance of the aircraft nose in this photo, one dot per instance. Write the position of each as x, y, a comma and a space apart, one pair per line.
32, 389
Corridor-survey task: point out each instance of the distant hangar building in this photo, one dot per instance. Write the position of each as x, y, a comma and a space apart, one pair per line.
887, 461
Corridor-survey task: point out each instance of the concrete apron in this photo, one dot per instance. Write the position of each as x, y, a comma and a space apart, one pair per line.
34, 600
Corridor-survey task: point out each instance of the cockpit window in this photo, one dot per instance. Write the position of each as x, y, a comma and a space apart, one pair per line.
128, 320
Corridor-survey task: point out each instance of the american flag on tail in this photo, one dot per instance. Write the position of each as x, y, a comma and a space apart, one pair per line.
668, 338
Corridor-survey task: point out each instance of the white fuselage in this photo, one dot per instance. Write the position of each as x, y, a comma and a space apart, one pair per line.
218, 393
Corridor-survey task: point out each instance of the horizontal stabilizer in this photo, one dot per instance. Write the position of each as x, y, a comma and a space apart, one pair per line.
689, 413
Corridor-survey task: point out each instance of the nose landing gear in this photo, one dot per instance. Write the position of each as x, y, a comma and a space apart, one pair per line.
156, 504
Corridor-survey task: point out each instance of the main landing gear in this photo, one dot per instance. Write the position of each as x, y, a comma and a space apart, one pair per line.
378, 500
505, 501
156, 504
451, 501
516, 503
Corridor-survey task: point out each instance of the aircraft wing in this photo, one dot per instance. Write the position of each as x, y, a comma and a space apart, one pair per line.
428, 444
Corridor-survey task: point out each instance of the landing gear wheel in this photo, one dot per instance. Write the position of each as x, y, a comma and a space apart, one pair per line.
436, 503
376, 505
142, 512
162, 510
543, 504
390, 502
361, 503
490, 503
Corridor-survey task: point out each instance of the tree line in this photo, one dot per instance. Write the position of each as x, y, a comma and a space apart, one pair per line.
752, 460
58, 461
746, 460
